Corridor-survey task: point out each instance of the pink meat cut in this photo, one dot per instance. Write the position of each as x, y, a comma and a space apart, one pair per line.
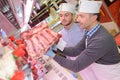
39, 39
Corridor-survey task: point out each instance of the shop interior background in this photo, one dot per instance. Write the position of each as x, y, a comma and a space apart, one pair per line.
19, 15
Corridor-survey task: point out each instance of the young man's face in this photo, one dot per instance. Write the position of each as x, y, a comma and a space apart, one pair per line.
85, 20
66, 18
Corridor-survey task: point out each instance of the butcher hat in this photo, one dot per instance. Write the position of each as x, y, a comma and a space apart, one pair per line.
85, 0
90, 6
67, 7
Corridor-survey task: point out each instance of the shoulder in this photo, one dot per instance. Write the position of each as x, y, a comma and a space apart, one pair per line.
102, 35
76, 24
77, 27
62, 30
103, 32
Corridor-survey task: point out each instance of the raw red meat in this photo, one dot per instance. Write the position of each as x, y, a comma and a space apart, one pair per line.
39, 39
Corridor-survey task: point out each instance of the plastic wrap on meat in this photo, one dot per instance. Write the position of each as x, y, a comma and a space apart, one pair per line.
25, 35
39, 39
30, 48
38, 28
49, 37
37, 46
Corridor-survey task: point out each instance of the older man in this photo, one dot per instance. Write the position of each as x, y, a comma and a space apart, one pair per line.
97, 52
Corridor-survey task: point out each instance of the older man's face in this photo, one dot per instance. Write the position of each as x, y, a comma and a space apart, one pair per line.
85, 20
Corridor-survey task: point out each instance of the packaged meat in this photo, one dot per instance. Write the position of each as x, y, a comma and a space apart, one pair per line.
39, 39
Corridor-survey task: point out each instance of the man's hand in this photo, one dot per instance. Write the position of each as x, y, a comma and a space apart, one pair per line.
58, 53
50, 53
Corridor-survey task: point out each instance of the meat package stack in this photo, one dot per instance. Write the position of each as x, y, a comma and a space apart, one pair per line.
39, 39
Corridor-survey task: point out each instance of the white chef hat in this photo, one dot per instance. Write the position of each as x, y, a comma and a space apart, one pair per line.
90, 6
85, 0
67, 7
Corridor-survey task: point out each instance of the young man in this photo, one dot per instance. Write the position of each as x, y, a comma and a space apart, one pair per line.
71, 32
97, 53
